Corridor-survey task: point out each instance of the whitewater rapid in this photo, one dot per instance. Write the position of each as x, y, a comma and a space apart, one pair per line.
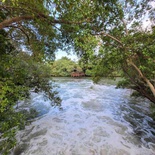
93, 120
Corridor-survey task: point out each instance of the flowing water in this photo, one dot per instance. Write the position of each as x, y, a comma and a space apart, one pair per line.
94, 120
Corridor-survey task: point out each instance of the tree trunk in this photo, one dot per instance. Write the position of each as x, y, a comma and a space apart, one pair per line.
138, 87
150, 85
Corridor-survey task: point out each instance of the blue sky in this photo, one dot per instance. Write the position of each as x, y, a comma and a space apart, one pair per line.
61, 54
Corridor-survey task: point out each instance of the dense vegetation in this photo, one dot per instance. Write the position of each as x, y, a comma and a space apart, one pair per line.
19, 73
64, 67
116, 39
108, 35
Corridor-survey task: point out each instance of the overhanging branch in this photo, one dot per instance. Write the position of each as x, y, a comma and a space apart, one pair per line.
110, 36
10, 21
22, 30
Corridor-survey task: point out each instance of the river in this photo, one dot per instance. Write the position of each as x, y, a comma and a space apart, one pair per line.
93, 120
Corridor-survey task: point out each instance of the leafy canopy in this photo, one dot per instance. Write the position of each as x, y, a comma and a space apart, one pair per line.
63, 67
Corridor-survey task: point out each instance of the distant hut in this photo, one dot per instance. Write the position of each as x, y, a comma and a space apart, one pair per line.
77, 74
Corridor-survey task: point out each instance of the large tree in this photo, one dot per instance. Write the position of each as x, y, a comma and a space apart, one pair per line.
64, 67
130, 46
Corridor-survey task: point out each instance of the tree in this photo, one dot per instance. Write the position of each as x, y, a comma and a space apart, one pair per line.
130, 48
63, 67
26, 25
19, 73
117, 29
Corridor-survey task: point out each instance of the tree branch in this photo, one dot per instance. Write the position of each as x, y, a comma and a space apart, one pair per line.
125, 25
10, 21
22, 30
110, 36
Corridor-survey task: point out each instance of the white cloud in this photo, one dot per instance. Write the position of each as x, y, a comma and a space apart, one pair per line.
61, 54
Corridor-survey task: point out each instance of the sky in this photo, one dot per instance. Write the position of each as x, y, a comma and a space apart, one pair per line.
61, 54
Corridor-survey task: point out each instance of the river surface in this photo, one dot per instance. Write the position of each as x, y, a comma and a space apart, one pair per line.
93, 120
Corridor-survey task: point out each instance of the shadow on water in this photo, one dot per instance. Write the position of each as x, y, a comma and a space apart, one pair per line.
137, 114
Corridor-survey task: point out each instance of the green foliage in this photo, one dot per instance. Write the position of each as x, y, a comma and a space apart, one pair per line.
124, 47
19, 73
63, 67
36, 35
137, 48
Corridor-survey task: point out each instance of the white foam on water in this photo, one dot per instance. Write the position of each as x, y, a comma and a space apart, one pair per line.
94, 121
